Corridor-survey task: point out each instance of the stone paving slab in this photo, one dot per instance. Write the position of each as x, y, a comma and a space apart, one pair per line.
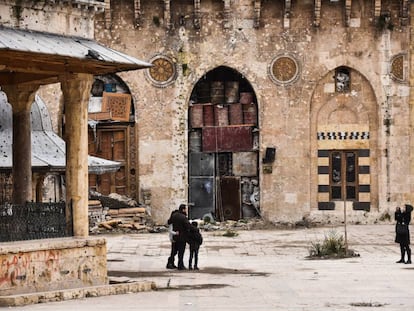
76, 293
259, 270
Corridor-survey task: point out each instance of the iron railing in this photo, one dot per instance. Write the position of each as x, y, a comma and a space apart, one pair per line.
33, 221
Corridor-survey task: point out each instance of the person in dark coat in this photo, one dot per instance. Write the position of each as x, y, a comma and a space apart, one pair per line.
403, 218
195, 240
181, 226
172, 234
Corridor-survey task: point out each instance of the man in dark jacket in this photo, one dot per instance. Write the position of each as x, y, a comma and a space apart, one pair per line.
181, 226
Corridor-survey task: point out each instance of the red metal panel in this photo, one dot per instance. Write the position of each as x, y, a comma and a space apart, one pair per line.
250, 114
208, 115
228, 138
221, 115
235, 114
246, 98
209, 139
230, 198
235, 138
196, 116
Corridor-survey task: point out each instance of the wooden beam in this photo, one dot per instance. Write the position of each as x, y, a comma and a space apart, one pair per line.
13, 78
50, 65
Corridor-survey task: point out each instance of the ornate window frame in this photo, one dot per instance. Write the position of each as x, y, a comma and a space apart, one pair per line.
281, 77
164, 71
399, 62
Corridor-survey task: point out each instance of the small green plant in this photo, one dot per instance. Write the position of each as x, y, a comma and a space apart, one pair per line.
185, 69
230, 233
333, 246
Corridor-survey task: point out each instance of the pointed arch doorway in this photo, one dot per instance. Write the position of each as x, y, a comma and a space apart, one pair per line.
223, 141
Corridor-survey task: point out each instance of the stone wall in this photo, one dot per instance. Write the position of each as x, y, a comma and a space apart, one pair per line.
73, 18
231, 35
54, 264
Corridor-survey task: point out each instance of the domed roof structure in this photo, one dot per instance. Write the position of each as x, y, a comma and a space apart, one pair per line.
48, 149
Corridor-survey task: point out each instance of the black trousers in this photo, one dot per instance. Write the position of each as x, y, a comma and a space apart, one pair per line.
193, 254
172, 254
180, 245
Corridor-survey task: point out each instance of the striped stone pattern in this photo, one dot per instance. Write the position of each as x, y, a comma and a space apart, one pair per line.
364, 188
343, 135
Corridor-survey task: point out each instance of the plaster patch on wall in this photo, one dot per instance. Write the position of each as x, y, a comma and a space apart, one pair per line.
329, 88
403, 91
291, 198
149, 149
355, 22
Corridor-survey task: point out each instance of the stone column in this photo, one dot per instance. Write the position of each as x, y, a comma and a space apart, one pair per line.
21, 97
411, 106
76, 92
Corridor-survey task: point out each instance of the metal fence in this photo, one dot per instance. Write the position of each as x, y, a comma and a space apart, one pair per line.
33, 221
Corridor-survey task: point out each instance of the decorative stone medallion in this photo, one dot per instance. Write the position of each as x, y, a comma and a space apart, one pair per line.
163, 72
397, 68
284, 69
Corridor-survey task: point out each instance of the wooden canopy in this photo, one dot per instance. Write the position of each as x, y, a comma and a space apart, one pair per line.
30, 56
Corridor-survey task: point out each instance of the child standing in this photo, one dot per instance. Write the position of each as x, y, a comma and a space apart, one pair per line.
195, 240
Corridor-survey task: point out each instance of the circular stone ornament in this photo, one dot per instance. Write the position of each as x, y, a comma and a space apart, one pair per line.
163, 72
284, 69
398, 68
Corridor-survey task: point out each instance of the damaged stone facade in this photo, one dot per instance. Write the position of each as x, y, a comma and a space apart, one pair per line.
290, 53
330, 81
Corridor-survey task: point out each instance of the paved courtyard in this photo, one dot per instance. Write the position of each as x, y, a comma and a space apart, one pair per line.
258, 270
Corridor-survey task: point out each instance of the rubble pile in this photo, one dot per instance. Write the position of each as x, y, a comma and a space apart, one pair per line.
117, 213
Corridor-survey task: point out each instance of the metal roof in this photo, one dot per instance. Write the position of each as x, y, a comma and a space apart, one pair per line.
48, 149
57, 53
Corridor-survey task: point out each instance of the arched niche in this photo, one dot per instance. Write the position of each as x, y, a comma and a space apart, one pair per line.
223, 144
344, 133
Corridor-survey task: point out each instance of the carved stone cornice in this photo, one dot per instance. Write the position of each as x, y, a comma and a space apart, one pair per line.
404, 12
226, 14
317, 13
348, 5
377, 8
257, 8
286, 14
137, 13
167, 14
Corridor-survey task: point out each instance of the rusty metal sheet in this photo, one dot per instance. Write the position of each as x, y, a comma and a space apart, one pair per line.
230, 198
245, 164
201, 196
201, 164
227, 139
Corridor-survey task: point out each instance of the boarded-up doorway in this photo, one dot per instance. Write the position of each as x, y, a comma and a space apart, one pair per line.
223, 147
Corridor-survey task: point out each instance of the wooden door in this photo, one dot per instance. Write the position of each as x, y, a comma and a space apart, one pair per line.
110, 144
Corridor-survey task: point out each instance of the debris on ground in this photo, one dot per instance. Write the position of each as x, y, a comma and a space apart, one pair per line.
117, 213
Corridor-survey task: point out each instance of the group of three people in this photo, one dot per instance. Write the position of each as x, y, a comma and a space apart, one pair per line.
181, 232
